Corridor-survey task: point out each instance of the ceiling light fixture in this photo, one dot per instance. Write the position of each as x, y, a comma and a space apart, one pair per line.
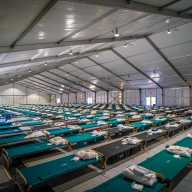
41, 35
167, 21
71, 52
125, 45
116, 32
169, 31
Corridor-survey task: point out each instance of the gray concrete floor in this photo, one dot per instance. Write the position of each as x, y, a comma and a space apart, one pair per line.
185, 185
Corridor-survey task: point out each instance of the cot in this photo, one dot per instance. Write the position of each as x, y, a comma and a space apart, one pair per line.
13, 155
40, 175
83, 139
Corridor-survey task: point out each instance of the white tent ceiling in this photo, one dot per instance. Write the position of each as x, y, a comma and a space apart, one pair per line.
71, 43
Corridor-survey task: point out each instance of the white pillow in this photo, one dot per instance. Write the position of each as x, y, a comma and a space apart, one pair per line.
140, 175
178, 150
87, 154
58, 141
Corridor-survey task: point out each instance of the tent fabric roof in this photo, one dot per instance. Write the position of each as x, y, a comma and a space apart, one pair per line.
75, 40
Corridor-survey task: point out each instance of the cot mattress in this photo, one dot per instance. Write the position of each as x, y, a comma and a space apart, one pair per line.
12, 139
141, 126
40, 174
62, 131
83, 139
186, 142
166, 164
28, 149
119, 183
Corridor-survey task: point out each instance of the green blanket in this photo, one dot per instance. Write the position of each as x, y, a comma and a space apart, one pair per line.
40, 174
30, 149
119, 183
12, 139
186, 142
83, 139
62, 131
166, 164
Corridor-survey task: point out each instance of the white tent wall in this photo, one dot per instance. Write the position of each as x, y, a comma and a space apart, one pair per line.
90, 97
177, 96
131, 97
72, 98
101, 97
64, 98
115, 97
81, 98
151, 93
13, 94
172, 96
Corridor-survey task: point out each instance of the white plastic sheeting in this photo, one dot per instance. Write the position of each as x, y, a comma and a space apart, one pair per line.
15, 94
177, 96
101, 97
131, 97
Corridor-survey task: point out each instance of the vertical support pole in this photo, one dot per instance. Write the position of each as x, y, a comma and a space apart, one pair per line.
95, 96
85, 94
68, 99
13, 88
122, 96
190, 96
107, 97
140, 97
76, 98
27, 95
163, 97
61, 99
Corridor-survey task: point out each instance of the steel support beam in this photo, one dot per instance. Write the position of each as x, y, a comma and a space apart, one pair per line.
163, 97
85, 94
56, 59
29, 84
76, 97
107, 97
45, 84
106, 69
55, 64
41, 14
52, 84
93, 75
5, 49
86, 81
33, 88
185, 10
190, 96
133, 5
136, 68
140, 96
71, 81
169, 4
40, 85
68, 98
95, 97
157, 49
122, 96
75, 89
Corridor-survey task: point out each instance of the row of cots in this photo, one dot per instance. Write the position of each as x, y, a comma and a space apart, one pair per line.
19, 146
